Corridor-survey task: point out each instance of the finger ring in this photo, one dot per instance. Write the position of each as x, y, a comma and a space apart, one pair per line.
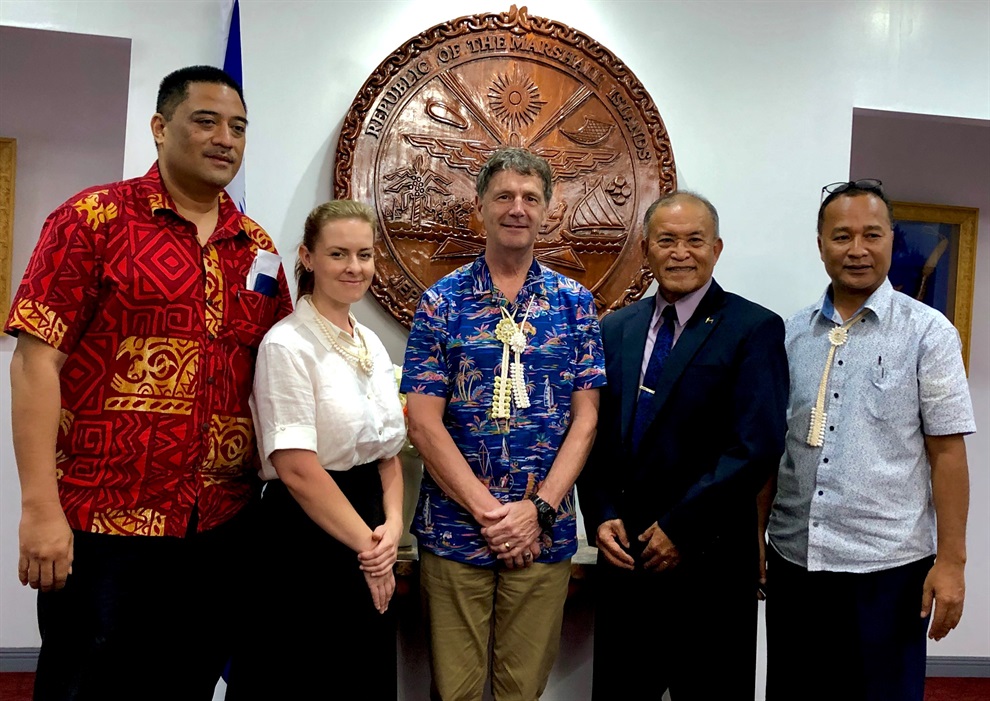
508, 547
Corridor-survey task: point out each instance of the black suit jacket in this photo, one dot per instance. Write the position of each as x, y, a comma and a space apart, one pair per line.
716, 432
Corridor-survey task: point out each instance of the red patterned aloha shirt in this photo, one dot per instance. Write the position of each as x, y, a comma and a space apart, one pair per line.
161, 336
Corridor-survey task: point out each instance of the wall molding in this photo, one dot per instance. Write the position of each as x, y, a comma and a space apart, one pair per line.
958, 666
18, 659
25, 659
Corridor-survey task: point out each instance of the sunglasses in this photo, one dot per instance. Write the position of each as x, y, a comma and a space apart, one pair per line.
868, 184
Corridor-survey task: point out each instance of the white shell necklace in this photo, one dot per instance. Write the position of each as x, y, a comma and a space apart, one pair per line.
511, 385
837, 336
359, 357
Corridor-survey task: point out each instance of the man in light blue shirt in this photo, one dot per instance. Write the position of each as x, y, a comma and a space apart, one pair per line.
868, 527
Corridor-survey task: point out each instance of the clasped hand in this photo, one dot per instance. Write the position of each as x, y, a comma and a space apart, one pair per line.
513, 533
659, 554
377, 563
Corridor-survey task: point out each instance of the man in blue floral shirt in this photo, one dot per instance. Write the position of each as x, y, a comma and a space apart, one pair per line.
502, 372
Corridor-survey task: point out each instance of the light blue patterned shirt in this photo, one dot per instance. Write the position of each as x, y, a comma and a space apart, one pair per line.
863, 501
453, 353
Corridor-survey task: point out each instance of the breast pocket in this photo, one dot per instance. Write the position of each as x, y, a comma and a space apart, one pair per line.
250, 315
892, 392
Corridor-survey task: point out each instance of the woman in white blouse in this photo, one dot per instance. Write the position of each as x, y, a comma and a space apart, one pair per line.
329, 427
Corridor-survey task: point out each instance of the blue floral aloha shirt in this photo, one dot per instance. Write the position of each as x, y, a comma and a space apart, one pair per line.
453, 353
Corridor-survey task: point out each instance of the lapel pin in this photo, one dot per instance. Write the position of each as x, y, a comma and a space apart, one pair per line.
709, 320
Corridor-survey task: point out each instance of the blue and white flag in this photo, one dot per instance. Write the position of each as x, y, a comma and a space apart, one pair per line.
232, 66
236, 190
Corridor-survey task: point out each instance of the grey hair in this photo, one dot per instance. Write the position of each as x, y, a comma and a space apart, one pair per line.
518, 160
677, 195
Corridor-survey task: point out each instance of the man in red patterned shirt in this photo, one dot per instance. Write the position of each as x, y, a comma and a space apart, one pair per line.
137, 324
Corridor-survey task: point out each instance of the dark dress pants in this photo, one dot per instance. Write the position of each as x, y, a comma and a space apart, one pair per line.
841, 635
142, 617
691, 629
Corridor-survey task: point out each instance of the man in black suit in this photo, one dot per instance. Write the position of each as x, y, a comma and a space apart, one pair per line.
691, 427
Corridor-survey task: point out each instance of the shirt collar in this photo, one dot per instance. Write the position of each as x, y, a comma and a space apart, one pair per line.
876, 303
307, 312
535, 283
685, 307
151, 188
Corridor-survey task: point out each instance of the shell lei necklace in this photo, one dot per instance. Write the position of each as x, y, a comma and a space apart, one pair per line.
837, 337
511, 385
359, 359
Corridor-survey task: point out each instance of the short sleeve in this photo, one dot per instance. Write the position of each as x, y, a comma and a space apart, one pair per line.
58, 294
285, 404
424, 369
943, 391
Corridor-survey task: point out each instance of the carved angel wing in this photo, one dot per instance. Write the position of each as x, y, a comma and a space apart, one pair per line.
570, 163
466, 154
470, 155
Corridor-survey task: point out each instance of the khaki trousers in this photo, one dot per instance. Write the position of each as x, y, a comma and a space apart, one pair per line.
520, 611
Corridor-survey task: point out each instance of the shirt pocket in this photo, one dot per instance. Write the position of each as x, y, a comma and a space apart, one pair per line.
250, 315
892, 391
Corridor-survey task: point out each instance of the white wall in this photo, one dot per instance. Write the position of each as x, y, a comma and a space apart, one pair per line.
934, 160
758, 98
64, 98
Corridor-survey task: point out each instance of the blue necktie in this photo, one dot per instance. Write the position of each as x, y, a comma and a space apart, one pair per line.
661, 349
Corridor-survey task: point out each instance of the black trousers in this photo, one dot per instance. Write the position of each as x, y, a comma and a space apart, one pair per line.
840, 635
315, 633
691, 629
144, 617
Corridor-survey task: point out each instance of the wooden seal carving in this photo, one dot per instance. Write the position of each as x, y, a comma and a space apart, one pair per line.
432, 113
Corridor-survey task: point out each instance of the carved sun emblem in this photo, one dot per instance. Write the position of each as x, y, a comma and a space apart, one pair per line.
515, 100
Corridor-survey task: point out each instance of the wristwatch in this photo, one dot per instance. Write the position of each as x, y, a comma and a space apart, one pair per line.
546, 515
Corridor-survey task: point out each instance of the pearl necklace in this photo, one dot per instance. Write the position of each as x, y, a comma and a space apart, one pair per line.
361, 359
511, 385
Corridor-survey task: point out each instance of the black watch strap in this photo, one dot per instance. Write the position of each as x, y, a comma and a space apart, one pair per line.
546, 515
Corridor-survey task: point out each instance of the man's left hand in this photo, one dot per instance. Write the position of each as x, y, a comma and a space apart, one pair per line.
515, 526
660, 552
946, 585
521, 557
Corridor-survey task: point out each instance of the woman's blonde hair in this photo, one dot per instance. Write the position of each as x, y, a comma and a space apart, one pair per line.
333, 210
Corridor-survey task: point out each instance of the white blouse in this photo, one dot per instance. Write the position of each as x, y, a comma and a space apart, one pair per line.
307, 396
